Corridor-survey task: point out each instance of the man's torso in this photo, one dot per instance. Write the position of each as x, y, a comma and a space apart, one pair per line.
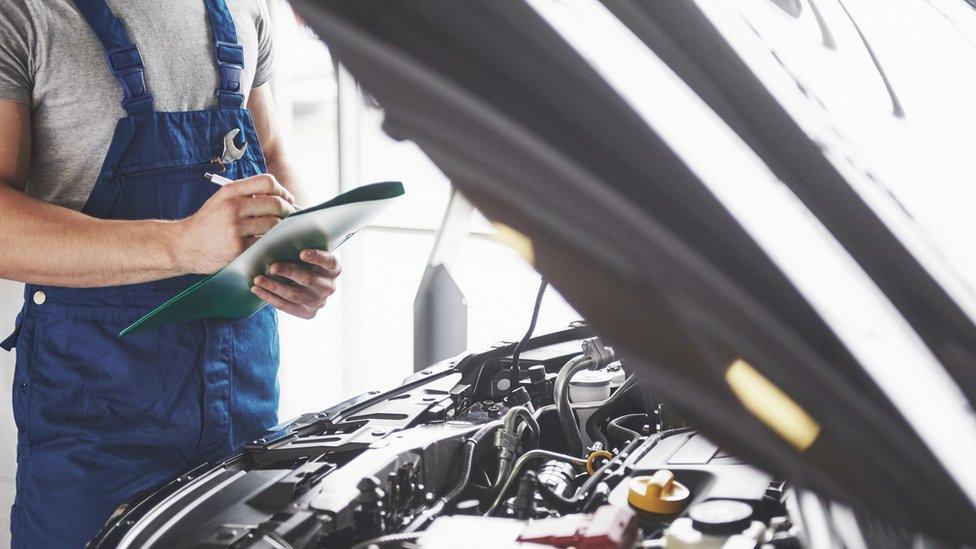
75, 100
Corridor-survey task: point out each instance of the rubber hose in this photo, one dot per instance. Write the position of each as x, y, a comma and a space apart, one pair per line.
601, 413
616, 429
539, 412
520, 412
567, 418
510, 424
565, 504
520, 464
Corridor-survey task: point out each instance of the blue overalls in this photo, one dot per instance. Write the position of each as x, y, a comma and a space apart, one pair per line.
102, 418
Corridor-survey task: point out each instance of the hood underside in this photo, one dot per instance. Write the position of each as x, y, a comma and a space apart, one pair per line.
635, 222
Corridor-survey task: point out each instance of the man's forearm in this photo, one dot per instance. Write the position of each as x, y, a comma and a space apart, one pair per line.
45, 244
280, 166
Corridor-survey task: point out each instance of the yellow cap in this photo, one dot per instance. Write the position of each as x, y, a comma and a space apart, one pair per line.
658, 493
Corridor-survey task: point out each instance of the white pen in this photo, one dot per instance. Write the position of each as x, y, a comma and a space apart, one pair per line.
221, 180
218, 179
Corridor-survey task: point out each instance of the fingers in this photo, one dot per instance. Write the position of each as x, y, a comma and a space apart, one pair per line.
316, 279
257, 226
310, 287
284, 305
264, 184
323, 259
264, 205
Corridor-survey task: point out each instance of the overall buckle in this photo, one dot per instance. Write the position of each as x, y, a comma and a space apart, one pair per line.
230, 61
126, 65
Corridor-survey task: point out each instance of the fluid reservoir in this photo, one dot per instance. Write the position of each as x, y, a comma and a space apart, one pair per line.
619, 376
589, 386
715, 524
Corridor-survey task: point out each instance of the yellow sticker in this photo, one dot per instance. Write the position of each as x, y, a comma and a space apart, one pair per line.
771, 405
516, 241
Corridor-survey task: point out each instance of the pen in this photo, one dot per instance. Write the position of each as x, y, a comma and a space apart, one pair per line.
221, 180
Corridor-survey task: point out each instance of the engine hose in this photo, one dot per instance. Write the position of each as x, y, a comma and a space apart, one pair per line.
523, 413
539, 412
387, 539
616, 428
564, 504
510, 424
567, 418
603, 411
520, 464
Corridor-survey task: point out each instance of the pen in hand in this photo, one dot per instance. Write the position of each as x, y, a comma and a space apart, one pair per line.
221, 180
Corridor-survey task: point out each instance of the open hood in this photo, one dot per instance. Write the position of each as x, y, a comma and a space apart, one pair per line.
684, 186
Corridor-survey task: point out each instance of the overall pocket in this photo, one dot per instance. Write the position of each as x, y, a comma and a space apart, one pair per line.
87, 382
172, 192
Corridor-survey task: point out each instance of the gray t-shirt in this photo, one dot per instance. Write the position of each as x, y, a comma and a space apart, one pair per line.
51, 60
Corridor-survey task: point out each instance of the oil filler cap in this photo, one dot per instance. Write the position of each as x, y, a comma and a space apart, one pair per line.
658, 493
721, 516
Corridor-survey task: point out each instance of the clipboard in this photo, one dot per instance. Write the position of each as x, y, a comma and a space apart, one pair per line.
227, 293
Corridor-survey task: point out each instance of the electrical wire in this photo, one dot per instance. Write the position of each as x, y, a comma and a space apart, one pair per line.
528, 333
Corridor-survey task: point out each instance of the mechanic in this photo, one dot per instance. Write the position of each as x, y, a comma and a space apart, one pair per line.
105, 213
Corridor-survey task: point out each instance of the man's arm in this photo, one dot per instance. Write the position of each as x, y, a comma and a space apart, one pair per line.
314, 280
46, 244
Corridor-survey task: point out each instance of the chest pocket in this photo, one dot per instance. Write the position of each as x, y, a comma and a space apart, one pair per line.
164, 193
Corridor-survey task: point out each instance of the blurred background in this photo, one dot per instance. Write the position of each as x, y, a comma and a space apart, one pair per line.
363, 339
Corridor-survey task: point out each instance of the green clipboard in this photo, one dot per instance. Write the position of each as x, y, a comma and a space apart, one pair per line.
227, 293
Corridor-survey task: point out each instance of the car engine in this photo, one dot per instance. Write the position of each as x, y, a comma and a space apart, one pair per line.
548, 442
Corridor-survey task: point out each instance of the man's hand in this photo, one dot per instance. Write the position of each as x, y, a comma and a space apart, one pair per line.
309, 286
231, 220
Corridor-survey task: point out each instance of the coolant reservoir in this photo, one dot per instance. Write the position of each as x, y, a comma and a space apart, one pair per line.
589, 386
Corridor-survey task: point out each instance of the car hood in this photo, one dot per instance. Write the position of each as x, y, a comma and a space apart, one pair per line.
711, 226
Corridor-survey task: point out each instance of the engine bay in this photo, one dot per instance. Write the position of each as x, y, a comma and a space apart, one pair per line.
559, 445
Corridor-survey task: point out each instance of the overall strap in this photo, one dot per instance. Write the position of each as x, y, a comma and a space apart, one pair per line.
229, 55
123, 56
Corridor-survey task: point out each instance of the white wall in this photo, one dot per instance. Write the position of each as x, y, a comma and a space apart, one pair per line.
10, 300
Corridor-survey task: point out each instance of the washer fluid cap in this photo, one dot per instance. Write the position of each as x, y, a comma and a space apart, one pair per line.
659, 493
592, 378
721, 516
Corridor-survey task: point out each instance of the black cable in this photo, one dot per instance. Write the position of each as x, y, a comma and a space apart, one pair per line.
528, 334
